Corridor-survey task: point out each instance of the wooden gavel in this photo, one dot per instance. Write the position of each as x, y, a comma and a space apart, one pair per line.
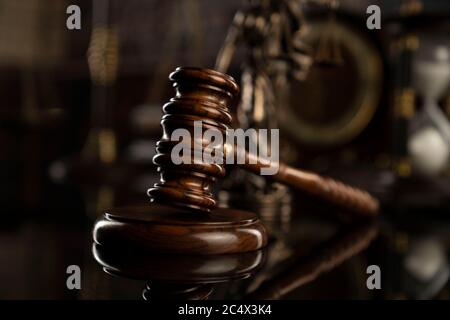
183, 218
207, 95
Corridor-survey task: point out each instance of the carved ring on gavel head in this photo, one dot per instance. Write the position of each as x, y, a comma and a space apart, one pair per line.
206, 95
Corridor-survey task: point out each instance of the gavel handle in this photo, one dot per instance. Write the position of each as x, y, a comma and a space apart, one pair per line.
355, 200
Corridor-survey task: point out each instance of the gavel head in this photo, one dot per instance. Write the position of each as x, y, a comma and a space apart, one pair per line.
201, 95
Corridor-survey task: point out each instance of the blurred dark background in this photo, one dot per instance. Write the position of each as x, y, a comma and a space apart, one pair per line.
75, 141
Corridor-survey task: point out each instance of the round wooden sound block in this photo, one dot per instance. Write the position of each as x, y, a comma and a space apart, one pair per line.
162, 229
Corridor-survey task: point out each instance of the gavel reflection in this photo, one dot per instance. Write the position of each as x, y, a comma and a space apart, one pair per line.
166, 280
201, 273
325, 257
207, 95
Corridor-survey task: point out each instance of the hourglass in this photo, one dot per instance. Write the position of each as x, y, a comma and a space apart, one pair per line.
429, 143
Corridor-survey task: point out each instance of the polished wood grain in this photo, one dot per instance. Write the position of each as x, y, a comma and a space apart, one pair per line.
158, 228
204, 95
180, 253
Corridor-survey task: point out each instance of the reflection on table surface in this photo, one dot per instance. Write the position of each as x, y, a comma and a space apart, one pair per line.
316, 257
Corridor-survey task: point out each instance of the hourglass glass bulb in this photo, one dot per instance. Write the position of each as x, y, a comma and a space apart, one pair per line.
429, 145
